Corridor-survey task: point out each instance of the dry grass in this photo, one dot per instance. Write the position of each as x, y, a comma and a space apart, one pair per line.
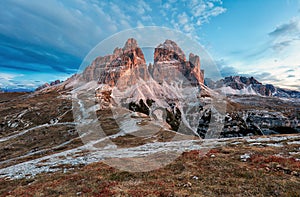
41, 108
220, 172
35, 109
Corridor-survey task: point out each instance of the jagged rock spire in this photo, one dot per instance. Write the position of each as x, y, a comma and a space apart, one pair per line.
168, 51
169, 62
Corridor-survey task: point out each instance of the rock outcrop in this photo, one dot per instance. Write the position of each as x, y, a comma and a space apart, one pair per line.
46, 85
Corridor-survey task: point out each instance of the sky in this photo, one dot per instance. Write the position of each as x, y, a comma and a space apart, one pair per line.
41, 41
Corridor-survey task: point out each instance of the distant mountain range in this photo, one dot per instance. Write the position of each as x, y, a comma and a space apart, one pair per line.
2, 90
240, 85
231, 85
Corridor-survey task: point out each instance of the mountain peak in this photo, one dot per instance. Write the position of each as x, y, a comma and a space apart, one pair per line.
242, 79
130, 44
170, 43
168, 51
169, 61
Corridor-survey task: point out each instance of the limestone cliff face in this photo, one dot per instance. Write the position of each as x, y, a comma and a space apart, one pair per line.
195, 72
170, 63
127, 65
168, 51
168, 91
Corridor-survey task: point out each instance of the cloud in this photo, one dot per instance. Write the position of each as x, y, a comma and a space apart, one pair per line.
190, 15
21, 56
53, 36
142, 7
262, 76
226, 70
7, 76
277, 59
285, 35
285, 29
7, 79
282, 45
16, 81
183, 18
290, 70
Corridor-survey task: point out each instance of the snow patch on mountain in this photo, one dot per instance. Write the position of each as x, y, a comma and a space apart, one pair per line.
246, 91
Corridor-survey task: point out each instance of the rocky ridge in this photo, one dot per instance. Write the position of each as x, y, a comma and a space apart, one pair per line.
249, 85
46, 85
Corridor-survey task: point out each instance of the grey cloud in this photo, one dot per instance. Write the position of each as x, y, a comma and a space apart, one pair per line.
19, 67
15, 54
264, 76
286, 28
54, 36
72, 26
226, 70
290, 70
282, 45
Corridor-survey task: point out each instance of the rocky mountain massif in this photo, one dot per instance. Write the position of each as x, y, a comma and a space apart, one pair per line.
109, 69
125, 80
172, 91
162, 90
